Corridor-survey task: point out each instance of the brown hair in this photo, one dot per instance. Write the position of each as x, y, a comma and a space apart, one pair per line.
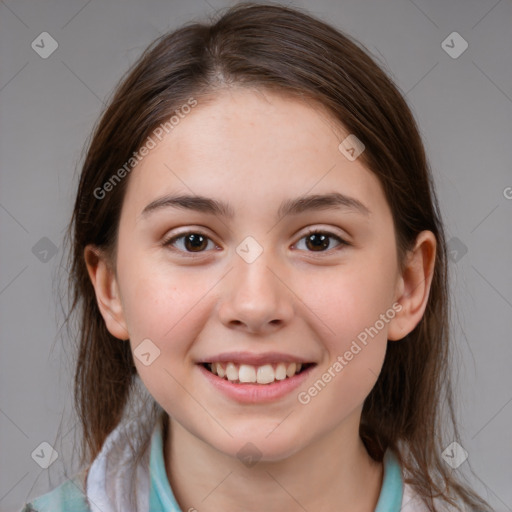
287, 51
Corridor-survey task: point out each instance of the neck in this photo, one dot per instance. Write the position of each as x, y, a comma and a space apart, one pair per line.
332, 474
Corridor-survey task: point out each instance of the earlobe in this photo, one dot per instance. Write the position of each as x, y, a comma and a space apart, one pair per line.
106, 289
414, 286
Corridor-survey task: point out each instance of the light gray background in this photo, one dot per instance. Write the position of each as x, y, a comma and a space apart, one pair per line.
48, 108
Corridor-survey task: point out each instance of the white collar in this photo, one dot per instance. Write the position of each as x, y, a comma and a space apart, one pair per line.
108, 484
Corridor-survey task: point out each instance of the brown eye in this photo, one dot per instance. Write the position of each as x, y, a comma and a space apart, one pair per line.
190, 242
319, 241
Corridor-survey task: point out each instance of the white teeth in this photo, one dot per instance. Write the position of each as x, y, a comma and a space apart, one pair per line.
246, 373
219, 370
290, 371
265, 374
281, 371
231, 372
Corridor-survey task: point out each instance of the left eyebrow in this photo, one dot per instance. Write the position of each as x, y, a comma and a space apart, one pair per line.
312, 202
295, 206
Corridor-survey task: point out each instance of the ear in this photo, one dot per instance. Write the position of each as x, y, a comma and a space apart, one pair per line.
413, 286
104, 280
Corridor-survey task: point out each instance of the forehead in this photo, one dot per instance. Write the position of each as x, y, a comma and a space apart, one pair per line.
248, 146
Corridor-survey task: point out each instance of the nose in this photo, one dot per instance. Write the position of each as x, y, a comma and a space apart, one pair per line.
256, 298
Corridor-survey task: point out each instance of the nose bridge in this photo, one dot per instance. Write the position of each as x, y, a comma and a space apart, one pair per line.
254, 295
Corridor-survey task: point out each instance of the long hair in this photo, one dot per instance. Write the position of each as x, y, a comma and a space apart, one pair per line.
410, 410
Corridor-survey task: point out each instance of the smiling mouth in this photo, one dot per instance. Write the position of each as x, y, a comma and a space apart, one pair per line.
249, 374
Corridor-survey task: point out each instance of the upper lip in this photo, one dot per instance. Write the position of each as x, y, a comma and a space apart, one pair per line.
254, 359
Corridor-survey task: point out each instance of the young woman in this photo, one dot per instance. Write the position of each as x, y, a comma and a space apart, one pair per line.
258, 260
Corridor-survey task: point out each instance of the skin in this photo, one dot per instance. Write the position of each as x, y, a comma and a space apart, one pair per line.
253, 149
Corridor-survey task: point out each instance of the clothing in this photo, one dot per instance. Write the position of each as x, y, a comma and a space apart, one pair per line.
154, 491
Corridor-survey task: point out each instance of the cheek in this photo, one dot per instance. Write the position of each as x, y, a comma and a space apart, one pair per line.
352, 302
164, 307
355, 339
353, 308
160, 303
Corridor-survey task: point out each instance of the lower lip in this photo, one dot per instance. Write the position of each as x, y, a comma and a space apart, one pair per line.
256, 393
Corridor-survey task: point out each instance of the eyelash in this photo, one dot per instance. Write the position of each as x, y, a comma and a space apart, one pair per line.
169, 241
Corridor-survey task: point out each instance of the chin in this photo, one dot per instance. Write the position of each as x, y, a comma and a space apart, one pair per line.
250, 449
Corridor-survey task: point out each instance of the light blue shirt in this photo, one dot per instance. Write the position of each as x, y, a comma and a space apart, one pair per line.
67, 496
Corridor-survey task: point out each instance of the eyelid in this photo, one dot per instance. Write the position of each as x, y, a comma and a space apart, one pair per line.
325, 230
168, 241
330, 234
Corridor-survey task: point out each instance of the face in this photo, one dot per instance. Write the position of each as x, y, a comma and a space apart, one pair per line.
314, 283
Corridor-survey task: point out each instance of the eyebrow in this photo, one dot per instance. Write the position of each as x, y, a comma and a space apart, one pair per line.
333, 200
